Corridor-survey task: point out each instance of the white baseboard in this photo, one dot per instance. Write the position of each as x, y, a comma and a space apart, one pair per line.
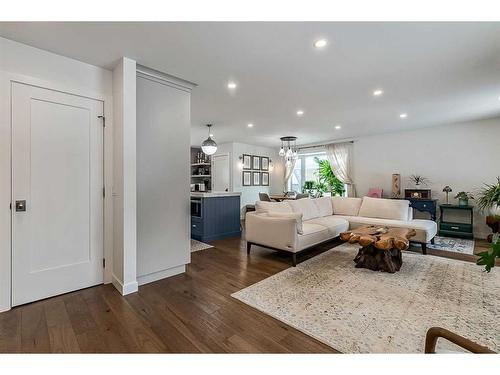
155, 276
124, 289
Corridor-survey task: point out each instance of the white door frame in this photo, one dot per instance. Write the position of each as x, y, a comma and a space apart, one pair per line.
230, 166
6, 80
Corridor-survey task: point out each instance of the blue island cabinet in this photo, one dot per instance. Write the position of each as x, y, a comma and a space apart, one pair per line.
217, 217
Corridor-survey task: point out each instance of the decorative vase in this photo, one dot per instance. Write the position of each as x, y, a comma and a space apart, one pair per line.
463, 202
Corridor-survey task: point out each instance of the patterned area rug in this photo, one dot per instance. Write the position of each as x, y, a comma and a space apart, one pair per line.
455, 245
361, 311
197, 246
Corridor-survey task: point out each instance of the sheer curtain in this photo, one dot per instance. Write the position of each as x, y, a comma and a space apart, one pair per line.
288, 172
340, 157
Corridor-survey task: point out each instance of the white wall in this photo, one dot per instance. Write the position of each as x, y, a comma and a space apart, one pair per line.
463, 156
30, 65
163, 173
125, 184
250, 194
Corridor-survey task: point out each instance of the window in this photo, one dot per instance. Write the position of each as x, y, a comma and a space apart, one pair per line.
305, 169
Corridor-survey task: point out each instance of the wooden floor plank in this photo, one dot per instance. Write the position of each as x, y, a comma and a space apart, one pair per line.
61, 334
34, 332
10, 331
188, 313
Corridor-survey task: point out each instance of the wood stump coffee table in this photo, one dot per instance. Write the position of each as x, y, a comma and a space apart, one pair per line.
381, 246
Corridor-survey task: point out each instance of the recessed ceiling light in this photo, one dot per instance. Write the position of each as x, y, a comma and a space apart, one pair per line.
250, 125
378, 92
320, 43
231, 85
300, 112
338, 127
403, 115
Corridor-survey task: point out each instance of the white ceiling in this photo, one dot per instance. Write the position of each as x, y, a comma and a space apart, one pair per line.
436, 72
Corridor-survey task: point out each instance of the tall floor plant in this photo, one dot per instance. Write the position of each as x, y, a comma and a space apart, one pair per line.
326, 175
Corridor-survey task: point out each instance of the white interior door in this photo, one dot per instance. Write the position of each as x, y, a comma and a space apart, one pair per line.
220, 173
57, 169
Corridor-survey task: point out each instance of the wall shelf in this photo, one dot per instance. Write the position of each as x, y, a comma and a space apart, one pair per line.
201, 175
199, 164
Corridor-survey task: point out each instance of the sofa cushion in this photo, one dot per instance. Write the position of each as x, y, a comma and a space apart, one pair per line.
394, 209
292, 215
324, 205
306, 207
335, 225
426, 229
265, 207
313, 234
346, 206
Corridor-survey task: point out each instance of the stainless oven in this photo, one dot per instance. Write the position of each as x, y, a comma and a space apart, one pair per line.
196, 207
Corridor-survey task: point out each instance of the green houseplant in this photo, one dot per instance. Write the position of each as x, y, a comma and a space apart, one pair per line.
309, 187
327, 177
488, 258
314, 188
489, 198
463, 198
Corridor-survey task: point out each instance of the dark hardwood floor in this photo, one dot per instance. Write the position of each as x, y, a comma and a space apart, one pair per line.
188, 313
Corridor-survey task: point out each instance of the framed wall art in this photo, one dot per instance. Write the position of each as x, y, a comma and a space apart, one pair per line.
255, 162
264, 163
247, 161
255, 178
265, 179
246, 178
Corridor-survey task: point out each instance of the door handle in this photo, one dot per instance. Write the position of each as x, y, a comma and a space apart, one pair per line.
20, 206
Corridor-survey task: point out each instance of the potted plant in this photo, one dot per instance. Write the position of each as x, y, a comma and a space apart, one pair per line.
309, 187
327, 178
463, 198
419, 180
488, 258
489, 198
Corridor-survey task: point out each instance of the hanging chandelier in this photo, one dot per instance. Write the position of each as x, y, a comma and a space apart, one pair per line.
288, 150
209, 146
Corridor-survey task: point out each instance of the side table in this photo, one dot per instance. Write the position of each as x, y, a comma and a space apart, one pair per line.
425, 205
456, 229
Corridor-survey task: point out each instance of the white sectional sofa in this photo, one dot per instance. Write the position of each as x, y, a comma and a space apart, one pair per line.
296, 225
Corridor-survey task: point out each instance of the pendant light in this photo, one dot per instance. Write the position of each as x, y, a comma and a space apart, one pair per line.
209, 147
288, 150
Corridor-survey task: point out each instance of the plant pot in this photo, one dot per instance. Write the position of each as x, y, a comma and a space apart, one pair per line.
463, 202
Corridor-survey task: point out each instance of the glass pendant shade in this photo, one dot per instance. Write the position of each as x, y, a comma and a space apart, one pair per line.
209, 146
288, 143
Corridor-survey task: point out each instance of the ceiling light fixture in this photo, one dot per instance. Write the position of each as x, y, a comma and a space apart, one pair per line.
231, 85
250, 125
378, 92
288, 150
300, 112
338, 127
209, 147
321, 43
403, 115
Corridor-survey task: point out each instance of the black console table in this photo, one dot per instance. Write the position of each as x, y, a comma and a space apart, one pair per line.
424, 205
456, 229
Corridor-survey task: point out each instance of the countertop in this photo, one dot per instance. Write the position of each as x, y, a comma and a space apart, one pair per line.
212, 194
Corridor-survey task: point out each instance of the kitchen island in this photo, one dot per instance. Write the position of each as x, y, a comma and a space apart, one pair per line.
215, 215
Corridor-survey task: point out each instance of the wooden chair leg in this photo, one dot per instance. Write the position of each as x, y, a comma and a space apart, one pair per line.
294, 260
424, 248
249, 245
